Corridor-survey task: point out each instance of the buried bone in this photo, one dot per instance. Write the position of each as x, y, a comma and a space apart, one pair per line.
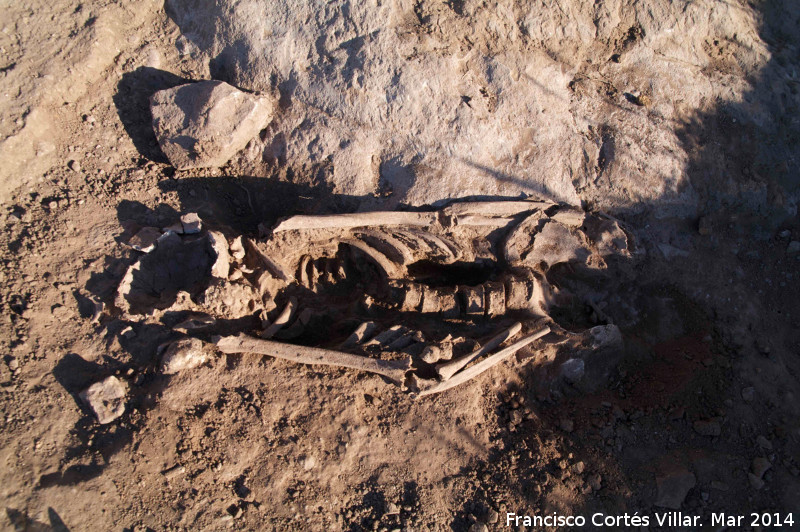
488, 363
394, 370
463, 271
448, 369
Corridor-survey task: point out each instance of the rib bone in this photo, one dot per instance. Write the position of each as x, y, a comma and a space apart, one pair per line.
448, 369
392, 270
394, 370
480, 367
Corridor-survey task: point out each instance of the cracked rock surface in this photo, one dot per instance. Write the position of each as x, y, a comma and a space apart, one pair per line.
204, 124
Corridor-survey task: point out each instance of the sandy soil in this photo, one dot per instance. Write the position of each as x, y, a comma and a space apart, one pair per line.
248, 442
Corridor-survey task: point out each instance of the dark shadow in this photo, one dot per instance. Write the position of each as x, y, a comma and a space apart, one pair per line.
240, 204
22, 522
56, 522
396, 177
132, 101
745, 156
71, 476
74, 374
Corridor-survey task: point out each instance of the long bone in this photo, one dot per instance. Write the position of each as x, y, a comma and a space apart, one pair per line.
394, 370
483, 365
362, 219
494, 208
450, 368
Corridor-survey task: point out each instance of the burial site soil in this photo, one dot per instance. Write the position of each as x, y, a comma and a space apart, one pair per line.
676, 121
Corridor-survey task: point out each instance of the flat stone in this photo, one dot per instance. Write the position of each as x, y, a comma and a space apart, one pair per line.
145, 239
106, 399
181, 355
606, 336
793, 247
673, 487
204, 124
191, 223
707, 427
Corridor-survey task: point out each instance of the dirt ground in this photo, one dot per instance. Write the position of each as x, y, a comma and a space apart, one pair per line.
707, 382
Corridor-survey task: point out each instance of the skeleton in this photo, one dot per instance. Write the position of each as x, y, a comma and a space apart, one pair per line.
336, 281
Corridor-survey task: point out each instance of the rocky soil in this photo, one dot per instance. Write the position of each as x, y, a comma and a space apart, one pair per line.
679, 118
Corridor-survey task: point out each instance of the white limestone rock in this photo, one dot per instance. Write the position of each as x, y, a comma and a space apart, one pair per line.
181, 355
106, 399
204, 124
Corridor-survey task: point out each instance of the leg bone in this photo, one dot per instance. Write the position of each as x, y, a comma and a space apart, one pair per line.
480, 367
394, 370
448, 369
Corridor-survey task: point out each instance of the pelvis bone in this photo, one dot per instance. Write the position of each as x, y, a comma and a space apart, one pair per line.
413, 296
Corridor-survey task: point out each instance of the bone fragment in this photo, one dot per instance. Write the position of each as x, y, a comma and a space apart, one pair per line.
199, 321
407, 295
361, 334
405, 340
191, 223
495, 298
390, 246
394, 370
473, 299
363, 219
494, 208
392, 270
299, 326
281, 320
388, 336
446, 248
237, 249
440, 299
432, 354
302, 271
97, 310
448, 369
573, 217
480, 221
480, 367
268, 263
222, 262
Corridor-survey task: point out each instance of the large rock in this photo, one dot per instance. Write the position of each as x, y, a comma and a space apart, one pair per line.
106, 399
204, 124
